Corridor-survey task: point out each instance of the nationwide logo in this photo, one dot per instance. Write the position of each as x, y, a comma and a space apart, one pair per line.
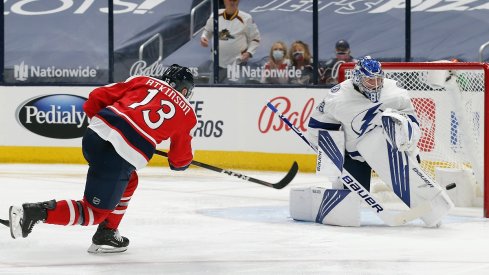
58, 116
23, 71
235, 72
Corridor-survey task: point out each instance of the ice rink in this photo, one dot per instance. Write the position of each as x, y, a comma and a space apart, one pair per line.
202, 222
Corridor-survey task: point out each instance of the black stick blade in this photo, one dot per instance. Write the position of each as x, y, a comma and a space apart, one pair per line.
282, 183
288, 178
5, 222
279, 185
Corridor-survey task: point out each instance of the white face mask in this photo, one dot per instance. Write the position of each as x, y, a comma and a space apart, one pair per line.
278, 54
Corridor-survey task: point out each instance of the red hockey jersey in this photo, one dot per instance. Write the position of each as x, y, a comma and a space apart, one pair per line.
138, 114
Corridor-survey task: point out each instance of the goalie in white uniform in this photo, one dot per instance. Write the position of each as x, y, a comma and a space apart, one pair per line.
375, 120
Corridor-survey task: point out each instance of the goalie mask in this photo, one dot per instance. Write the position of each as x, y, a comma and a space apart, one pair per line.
369, 77
180, 78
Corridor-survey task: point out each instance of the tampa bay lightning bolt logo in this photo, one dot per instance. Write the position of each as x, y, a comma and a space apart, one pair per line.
362, 123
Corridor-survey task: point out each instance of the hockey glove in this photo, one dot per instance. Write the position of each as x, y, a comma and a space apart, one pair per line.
400, 131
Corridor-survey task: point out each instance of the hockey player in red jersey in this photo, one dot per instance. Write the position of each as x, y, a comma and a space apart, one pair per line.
128, 120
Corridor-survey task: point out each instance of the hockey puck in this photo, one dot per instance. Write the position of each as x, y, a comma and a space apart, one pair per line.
451, 186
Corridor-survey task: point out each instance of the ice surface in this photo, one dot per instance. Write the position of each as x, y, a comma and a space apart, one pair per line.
202, 222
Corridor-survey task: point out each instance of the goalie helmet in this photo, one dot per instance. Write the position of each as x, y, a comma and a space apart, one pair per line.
369, 77
179, 78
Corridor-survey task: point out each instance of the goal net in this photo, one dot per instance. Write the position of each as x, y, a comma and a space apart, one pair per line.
449, 98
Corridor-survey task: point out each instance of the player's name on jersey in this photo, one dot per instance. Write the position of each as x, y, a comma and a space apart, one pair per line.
172, 94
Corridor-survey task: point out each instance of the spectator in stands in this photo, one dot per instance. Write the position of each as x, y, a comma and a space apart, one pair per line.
275, 70
301, 60
328, 71
238, 37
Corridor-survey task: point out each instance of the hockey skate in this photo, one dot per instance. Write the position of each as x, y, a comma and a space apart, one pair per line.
107, 240
23, 218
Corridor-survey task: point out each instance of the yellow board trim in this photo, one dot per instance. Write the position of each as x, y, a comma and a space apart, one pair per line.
222, 159
31, 154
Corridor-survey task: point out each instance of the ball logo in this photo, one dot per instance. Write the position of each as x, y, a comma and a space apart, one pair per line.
58, 116
269, 122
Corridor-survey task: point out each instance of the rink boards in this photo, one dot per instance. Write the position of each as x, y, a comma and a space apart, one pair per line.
235, 129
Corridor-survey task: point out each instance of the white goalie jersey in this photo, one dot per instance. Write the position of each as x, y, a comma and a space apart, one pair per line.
384, 134
346, 108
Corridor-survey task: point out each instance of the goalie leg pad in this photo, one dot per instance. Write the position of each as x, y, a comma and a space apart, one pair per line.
331, 154
403, 174
326, 206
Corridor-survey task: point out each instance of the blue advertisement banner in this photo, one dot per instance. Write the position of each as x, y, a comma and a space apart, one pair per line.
67, 40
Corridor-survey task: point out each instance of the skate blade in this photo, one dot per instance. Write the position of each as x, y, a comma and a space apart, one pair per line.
104, 249
16, 214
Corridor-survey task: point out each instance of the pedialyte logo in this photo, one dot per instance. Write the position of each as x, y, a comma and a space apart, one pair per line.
58, 116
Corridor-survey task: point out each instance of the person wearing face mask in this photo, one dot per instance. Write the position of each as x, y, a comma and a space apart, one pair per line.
275, 70
328, 71
301, 62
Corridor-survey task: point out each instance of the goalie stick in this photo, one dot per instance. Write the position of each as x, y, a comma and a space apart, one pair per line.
5, 222
279, 185
355, 187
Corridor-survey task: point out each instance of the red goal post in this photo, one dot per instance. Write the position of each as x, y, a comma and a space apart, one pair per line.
450, 101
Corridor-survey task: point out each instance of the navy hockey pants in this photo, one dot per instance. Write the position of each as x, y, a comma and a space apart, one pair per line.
108, 173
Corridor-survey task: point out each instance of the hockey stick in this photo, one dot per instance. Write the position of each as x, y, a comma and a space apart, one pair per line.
355, 187
5, 222
279, 185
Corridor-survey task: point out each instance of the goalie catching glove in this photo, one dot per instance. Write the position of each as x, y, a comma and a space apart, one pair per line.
400, 131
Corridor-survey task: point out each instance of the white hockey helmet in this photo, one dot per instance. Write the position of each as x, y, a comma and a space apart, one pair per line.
369, 77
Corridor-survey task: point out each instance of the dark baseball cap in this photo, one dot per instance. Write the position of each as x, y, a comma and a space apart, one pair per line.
342, 45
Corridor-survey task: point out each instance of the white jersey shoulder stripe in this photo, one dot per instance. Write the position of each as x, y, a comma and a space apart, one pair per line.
125, 150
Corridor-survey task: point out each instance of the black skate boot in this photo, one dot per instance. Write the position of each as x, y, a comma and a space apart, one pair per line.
108, 240
23, 218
